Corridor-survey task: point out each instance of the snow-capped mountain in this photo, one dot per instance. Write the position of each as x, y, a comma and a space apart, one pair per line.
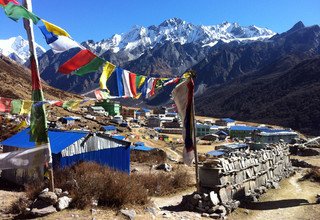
176, 30
17, 49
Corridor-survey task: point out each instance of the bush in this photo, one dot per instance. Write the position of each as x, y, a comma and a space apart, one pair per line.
313, 174
159, 184
88, 181
153, 156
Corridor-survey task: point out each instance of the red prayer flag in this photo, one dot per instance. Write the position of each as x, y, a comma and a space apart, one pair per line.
77, 61
132, 81
5, 2
5, 104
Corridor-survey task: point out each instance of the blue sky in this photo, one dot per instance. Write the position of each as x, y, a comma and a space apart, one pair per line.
100, 19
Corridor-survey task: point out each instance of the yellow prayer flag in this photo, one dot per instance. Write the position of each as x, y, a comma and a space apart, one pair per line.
142, 80
26, 107
55, 29
108, 69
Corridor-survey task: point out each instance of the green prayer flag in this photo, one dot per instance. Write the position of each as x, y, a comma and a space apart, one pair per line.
16, 105
38, 121
93, 66
16, 12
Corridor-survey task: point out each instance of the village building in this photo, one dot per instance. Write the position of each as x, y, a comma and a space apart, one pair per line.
108, 129
241, 131
67, 120
144, 112
113, 108
96, 110
68, 148
266, 136
160, 111
129, 112
202, 129
153, 121
175, 123
228, 122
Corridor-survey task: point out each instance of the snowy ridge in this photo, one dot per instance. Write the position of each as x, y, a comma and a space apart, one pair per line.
176, 30
17, 49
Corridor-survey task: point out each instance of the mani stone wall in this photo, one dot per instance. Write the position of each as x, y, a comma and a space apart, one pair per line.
244, 175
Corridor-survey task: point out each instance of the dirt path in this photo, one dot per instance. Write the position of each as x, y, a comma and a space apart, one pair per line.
294, 200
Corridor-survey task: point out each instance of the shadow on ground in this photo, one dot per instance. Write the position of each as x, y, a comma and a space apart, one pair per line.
285, 203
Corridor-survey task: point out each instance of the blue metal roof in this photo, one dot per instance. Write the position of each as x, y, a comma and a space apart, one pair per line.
216, 153
228, 120
242, 128
222, 133
139, 143
109, 128
69, 118
141, 148
119, 137
59, 140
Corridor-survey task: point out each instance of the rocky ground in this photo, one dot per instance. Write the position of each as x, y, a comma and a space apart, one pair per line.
294, 199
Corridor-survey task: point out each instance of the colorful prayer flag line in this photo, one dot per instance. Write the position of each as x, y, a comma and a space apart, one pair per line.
16, 12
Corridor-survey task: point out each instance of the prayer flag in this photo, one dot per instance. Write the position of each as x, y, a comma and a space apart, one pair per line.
133, 87
82, 58
16, 12
5, 2
115, 84
101, 94
149, 86
16, 106
72, 104
93, 66
26, 107
140, 81
183, 98
126, 83
5, 104
171, 81
55, 29
108, 69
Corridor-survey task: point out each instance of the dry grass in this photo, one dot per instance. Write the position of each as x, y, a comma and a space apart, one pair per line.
161, 183
88, 181
313, 174
153, 156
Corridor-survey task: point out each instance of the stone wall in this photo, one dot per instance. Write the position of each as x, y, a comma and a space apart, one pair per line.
241, 175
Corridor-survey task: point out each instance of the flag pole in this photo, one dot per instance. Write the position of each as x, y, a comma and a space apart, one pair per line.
36, 86
193, 74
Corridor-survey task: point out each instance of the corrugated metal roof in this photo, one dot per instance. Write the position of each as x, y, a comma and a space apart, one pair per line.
59, 140
141, 148
242, 128
216, 153
119, 137
228, 120
109, 128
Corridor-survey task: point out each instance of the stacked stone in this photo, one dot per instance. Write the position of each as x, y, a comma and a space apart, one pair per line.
244, 175
209, 205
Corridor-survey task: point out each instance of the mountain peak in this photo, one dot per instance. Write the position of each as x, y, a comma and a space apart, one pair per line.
172, 22
299, 25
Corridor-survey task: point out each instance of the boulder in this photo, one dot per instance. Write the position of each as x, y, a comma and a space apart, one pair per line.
214, 198
165, 166
131, 214
44, 211
49, 197
58, 191
63, 203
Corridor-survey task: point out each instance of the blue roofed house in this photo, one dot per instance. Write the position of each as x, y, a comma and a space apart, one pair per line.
228, 122
70, 147
241, 131
109, 129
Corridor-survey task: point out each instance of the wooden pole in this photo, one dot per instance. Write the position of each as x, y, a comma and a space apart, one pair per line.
195, 145
28, 25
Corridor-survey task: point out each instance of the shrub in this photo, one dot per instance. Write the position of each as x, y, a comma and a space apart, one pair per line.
313, 174
88, 181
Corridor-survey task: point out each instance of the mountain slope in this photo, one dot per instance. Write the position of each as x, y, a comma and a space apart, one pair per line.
287, 97
15, 83
17, 49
